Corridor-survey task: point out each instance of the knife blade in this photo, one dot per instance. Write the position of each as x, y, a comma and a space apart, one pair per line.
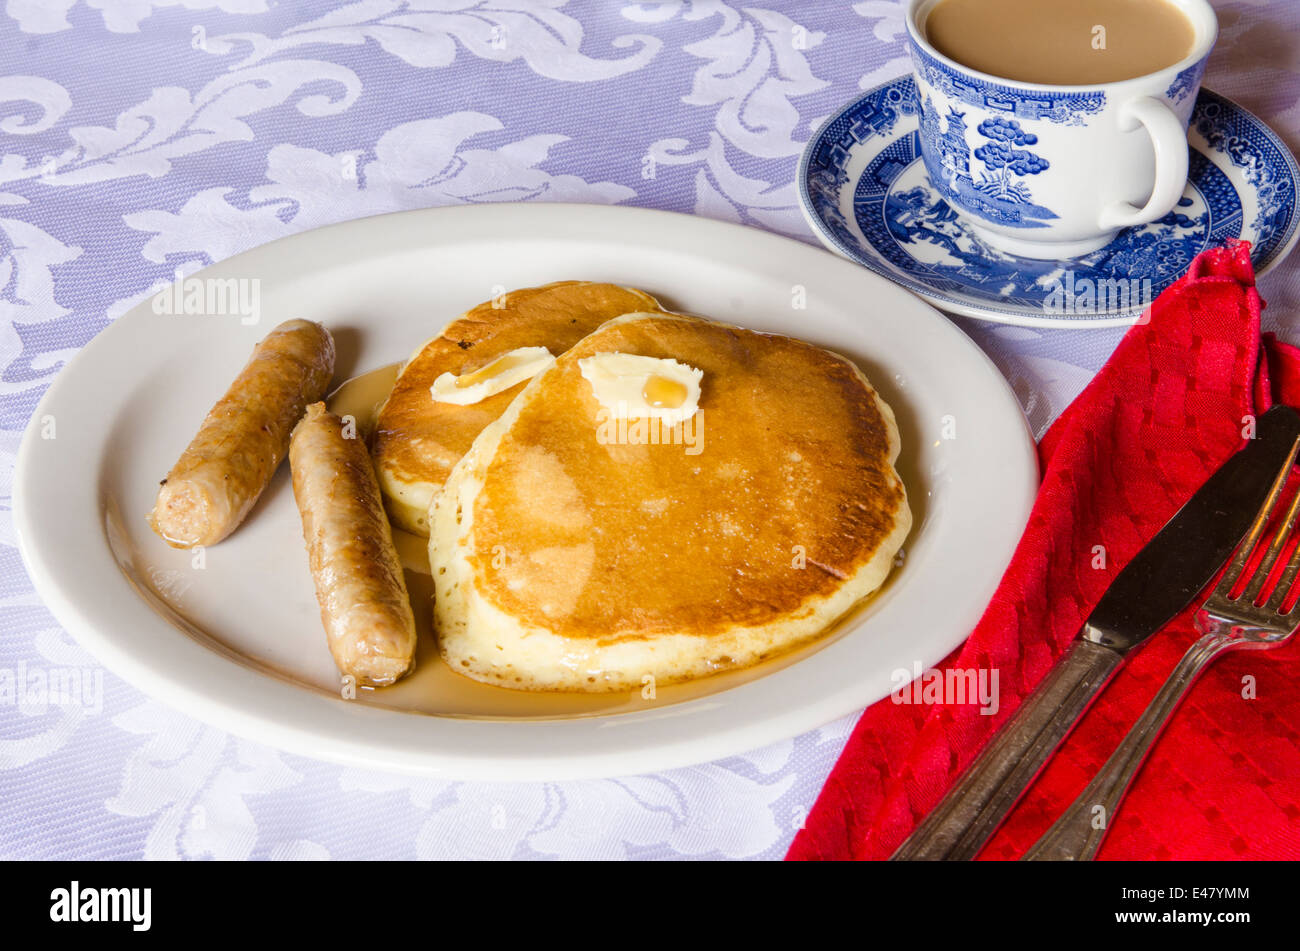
1158, 583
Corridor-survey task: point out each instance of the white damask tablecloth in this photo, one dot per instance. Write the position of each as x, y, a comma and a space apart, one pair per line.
145, 136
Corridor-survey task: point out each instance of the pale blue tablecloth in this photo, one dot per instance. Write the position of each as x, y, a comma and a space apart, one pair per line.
141, 137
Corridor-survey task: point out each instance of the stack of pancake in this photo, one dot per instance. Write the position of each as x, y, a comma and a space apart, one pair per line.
570, 552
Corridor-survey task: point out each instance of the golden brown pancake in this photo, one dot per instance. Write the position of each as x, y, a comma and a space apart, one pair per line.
565, 559
418, 440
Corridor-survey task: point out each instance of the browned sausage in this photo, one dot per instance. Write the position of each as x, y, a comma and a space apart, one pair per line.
232, 458
362, 593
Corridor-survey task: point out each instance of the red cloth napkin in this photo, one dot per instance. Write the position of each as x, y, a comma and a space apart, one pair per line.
1224, 780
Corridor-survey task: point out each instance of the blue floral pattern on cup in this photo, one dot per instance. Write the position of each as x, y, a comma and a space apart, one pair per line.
1065, 108
1185, 82
999, 193
977, 150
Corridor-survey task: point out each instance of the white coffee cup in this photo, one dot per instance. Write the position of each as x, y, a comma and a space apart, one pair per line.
1060, 169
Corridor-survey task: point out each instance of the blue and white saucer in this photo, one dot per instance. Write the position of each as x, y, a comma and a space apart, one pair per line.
865, 192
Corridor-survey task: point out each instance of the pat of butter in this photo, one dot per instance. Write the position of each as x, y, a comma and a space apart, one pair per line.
630, 386
500, 374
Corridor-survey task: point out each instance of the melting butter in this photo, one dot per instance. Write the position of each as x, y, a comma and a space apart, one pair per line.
507, 370
663, 392
631, 386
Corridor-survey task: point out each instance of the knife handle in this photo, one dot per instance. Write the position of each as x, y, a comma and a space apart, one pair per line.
1077, 834
993, 783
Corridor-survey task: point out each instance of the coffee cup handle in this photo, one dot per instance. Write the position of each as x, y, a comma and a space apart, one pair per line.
1169, 137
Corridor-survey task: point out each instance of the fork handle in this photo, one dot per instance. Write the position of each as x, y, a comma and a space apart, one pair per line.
973, 809
1078, 833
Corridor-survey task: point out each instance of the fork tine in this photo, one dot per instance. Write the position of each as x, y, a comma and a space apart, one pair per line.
1260, 578
1284, 583
1238, 563
1288, 576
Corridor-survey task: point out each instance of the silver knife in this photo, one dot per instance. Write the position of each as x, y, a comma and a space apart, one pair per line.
1161, 580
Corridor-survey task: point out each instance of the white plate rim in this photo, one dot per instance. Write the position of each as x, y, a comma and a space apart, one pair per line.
92, 599
961, 308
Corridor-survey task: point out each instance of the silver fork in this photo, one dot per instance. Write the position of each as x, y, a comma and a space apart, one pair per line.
1226, 623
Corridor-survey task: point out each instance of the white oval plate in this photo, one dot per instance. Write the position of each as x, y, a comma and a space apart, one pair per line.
236, 640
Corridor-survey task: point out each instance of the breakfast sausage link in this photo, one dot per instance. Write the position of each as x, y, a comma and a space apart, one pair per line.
243, 438
362, 593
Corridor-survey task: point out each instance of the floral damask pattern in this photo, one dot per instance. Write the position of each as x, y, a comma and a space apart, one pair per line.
139, 137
